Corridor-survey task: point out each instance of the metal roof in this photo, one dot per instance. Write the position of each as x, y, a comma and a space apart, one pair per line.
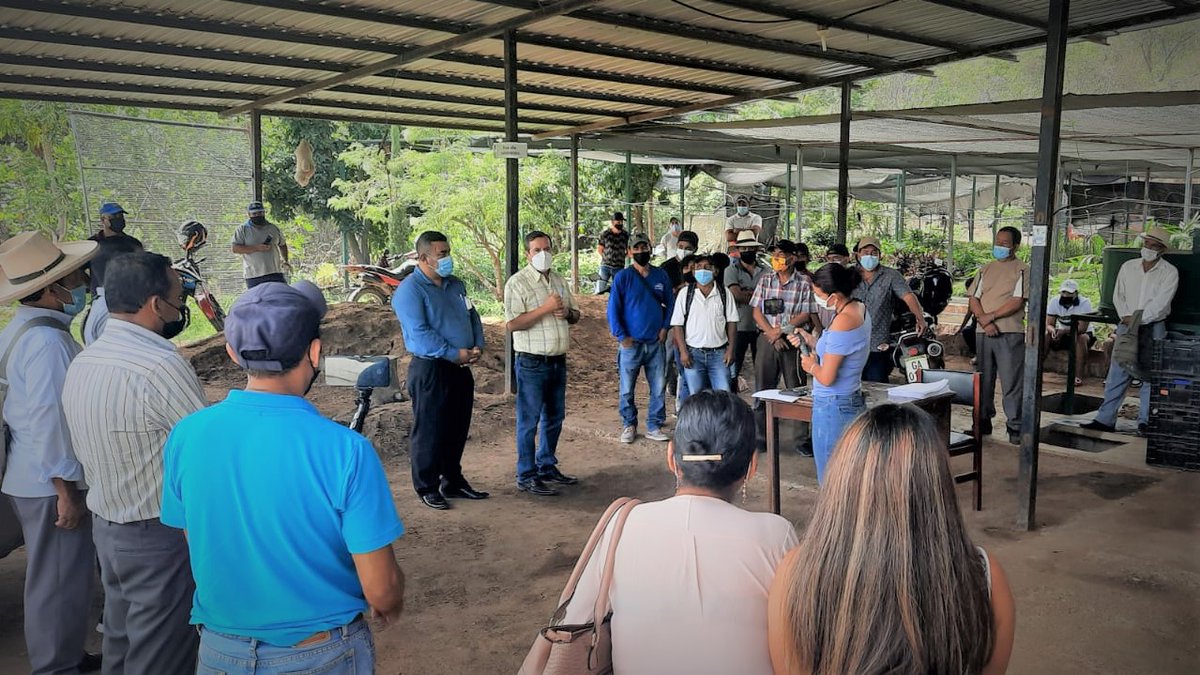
602, 64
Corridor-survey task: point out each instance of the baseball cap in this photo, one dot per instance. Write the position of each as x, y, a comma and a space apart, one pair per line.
617, 215
639, 238
271, 326
785, 246
1069, 286
111, 208
742, 199
255, 207
868, 241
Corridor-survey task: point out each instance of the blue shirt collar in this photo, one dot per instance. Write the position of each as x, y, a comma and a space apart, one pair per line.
262, 399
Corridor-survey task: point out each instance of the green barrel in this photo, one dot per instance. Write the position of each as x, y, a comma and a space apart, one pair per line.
1185, 309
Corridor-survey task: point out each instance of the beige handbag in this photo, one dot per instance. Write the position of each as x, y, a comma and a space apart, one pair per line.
586, 648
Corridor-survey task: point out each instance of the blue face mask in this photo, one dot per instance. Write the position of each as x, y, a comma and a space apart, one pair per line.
78, 300
703, 277
868, 262
1000, 252
445, 267
743, 210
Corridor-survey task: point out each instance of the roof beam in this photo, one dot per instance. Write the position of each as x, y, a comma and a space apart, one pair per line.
652, 24
991, 12
145, 46
849, 25
533, 16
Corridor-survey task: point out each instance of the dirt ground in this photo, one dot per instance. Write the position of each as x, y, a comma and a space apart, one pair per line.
1109, 583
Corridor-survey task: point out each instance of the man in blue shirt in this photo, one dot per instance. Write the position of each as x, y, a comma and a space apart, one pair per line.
639, 313
444, 335
288, 515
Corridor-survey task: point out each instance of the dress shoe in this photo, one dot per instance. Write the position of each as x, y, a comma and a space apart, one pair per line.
1096, 425
985, 427
1015, 439
535, 487
464, 492
90, 663
435, 501
1142, 428
553, 475
805, 449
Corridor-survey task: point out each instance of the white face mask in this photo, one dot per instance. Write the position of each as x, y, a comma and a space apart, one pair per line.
681, 253
823, 303
1149, 254
542, 261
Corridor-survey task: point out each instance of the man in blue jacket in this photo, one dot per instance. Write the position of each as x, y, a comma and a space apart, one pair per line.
444, 335
639, 313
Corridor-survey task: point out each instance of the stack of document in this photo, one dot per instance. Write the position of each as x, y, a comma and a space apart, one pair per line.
787, 395
918, 390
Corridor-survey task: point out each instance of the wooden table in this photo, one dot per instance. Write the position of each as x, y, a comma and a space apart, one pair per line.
801, 411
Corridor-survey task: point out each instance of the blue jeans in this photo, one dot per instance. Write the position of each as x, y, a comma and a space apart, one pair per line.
541, 397
652, 357
682, 390
1118, 381
347, 650
606, 276
708, 370
830, 416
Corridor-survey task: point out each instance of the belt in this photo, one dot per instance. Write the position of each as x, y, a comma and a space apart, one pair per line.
325, 635
711, 349
556, 358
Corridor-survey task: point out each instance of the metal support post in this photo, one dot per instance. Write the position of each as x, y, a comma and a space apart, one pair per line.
256, 154
844, 164
512, 186
575, 213
900, 204
1045, 196
1187, 185
629, 187
996, 208
1146, 202
785, 218
682, 196
799, 191
971, 213
952, 215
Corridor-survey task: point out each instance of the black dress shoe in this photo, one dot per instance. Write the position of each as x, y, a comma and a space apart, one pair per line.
805, 449
90, 663
1015, 439
435, 501
1096, 425
1142, 428
553, 475
464, 492
985, 427
535, 486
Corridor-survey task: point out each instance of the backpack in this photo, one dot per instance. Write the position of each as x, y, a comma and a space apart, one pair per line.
691, 292
32, 323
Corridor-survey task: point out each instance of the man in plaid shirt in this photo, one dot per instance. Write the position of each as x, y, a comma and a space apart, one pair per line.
782, 302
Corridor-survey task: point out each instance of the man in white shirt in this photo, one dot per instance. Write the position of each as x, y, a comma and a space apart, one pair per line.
742, 220
1058, 325
1148, 284
44, 481
670, 240
704, 324
123, 395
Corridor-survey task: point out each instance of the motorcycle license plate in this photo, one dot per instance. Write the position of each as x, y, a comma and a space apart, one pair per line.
913, 364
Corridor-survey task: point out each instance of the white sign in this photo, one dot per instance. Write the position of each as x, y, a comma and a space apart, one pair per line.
505, 150
1039, 235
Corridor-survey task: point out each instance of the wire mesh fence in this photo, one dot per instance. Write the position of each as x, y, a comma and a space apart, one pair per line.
164, 173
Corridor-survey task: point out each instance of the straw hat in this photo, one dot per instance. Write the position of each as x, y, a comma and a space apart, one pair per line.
1159, 234
746, 239
30, 262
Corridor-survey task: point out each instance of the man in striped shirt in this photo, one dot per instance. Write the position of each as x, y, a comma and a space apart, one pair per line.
123, 395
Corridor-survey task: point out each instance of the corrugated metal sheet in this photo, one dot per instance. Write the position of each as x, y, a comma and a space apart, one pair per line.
613, 59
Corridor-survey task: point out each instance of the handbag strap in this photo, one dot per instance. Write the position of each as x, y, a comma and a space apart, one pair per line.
580, 564
603, 602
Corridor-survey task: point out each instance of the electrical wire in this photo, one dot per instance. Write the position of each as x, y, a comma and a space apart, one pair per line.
681, 3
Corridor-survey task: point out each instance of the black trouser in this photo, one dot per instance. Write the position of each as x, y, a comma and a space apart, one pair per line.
769, 365
747, 341
442, 396
254, 281
879, 366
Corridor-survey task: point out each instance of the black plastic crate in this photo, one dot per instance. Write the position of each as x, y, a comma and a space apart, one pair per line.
1178, 354
1174, 390
1188, 461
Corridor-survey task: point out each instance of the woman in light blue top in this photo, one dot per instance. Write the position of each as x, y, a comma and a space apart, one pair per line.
837, 364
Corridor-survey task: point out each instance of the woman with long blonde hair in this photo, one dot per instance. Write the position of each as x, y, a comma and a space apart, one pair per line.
886, 579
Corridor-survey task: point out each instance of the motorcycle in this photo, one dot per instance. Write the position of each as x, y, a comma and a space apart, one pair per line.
375, 284
914, 351
192, 236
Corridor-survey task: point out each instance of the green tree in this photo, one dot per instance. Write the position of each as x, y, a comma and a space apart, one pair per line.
39, 177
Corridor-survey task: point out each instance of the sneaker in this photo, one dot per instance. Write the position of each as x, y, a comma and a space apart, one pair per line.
553, 475
657, 435
805, 449
535, 486
628, 434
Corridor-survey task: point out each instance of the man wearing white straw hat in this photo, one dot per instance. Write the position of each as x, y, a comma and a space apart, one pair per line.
44, 481
1146, 284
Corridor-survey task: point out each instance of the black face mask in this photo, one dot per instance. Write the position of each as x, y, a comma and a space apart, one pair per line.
315, 375
620, 225
748, 257
172, 328
1067, 301
116, 223
642, 258
258, 220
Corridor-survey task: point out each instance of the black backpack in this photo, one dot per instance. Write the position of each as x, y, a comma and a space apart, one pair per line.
691, 292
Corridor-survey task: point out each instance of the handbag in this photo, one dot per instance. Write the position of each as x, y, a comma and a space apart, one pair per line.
1126, 347
585, 648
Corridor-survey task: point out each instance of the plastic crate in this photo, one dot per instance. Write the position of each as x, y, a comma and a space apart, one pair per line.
1178, 354
1174, 390
1188, 461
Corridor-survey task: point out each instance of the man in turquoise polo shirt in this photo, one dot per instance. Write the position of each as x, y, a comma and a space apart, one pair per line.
288, 516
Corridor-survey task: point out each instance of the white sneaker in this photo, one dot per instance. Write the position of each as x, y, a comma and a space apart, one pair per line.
657, 435
628, 434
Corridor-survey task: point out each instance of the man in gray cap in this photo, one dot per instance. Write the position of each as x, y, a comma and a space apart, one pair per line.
282, 483
257, 240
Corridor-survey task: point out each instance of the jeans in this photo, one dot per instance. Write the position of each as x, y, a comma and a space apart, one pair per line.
346, 651
541, 397
1118, 381
682, 390
879, 366
606, 276
830, 415
652, 357
708, 370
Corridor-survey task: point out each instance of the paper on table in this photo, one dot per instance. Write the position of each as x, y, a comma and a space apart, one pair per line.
777, 395
918, 390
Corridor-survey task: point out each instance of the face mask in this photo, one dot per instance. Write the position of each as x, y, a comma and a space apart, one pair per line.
779, 264
682, 253
258, 220
676, 228
116, 223
823, 303
78, 300
445, 267
868, 262
704, 277
1149, 254
1000, 252
542, 261
1067, 301
748, 257
315, 375
619, 224
642, 258
172, 328
743, 210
